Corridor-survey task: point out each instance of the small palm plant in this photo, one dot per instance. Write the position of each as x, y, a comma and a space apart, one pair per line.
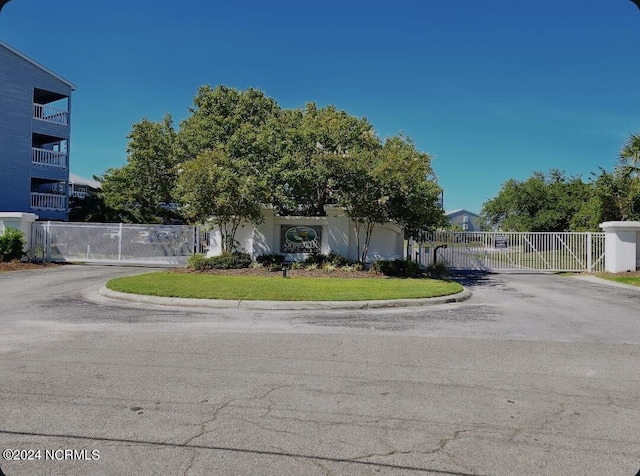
629, 157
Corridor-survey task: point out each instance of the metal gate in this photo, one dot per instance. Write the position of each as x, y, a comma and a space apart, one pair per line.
114, 243
511, 251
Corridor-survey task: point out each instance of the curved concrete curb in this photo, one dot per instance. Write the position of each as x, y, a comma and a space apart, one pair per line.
283, 305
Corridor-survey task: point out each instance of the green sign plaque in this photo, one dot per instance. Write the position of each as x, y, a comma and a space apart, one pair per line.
300, 239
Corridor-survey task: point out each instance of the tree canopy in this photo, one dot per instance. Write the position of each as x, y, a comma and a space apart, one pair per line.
543, 202
148, 178
215, 186
555, 202
238, 150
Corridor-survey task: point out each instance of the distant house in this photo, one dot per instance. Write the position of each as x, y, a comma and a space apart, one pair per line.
466, 220
80, 187
35, 126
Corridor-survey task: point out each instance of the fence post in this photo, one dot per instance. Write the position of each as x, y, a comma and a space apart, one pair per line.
589, 253
120, 243
196, 239
47, 241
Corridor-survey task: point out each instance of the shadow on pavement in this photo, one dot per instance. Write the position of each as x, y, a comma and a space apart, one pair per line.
472, 278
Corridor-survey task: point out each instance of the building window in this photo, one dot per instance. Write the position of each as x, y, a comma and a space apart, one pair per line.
465, 219
465, 226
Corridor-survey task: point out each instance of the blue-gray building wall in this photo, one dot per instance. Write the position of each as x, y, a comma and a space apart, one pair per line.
458, 218
18, 78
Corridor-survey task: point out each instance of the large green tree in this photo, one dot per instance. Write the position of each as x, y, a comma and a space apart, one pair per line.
213, 186
315, 142
238, 150
412, 187
363, 195
543, 202
612, 196
393, 183
240, 121
147, 179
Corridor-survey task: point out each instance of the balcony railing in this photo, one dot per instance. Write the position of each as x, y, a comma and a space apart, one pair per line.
49, 157
51, 114
48, 201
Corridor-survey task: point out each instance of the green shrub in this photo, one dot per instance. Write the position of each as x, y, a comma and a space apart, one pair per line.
338, 260
328, 267
437, 269
332, 258
235, 260
275, 267
315, 258
270, 259
11, 244
397, 268
196, 262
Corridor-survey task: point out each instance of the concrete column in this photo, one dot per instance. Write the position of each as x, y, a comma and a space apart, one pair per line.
621, 245
262, 243
215, 242
338, 228
20, 221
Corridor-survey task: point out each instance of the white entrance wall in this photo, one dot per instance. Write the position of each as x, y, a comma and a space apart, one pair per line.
622, 245
20, 221
338, 236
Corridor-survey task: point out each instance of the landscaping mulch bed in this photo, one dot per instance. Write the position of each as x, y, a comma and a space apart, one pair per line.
19, 266
291, 273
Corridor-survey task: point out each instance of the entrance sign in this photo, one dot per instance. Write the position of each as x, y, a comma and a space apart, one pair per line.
500, 241
300, 239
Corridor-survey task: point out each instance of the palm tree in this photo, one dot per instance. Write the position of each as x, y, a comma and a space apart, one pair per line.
629, 157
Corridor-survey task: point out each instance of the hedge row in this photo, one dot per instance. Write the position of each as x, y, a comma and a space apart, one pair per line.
396, 268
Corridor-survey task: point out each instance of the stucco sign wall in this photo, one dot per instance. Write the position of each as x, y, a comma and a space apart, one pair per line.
300, 239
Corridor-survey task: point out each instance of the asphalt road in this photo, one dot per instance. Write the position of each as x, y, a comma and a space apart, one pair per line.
535, 374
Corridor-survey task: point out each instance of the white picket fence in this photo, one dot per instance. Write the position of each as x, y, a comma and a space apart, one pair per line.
114, 243
511, 251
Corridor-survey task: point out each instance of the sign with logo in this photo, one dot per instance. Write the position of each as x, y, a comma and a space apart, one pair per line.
501, 241
300, 239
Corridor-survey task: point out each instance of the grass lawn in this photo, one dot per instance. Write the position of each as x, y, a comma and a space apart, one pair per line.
633, 280
260, 288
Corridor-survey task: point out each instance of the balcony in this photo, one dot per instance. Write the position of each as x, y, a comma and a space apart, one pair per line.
49, 157
48, 201
51, 114
77, 194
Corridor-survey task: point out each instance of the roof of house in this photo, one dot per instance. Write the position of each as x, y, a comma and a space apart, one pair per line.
459, 210
73, 178
38, 65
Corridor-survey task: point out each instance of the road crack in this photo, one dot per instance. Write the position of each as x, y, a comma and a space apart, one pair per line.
204, 424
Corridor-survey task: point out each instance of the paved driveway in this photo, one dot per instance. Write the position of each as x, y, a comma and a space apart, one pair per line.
536, 374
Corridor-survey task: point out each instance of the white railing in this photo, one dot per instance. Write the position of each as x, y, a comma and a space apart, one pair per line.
49, 157
51, 114
495, 251
77, 194
48, 201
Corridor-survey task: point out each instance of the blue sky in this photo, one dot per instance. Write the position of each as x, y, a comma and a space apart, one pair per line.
493, 89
